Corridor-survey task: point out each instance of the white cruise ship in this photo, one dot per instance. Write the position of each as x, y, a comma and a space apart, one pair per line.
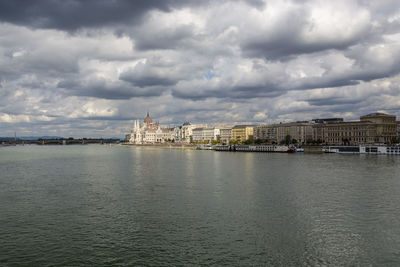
364, 149
379, 149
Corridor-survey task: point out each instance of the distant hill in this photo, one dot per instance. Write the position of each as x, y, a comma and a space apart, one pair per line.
6, 139
46, 137
39, 137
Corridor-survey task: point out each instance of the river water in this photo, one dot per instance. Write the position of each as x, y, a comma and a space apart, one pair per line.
95, 205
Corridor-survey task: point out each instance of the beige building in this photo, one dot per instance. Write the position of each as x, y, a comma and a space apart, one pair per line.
197, 135
242, 133
225, 135
372, 128
302, 132
386, 128
187, 131
205, 134
265, 132
398, 131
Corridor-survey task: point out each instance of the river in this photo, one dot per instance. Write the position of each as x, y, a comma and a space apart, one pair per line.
95, 205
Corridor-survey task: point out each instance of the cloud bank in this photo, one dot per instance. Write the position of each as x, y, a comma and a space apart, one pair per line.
88, 68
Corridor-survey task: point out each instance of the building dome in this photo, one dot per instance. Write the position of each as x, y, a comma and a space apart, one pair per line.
148, 120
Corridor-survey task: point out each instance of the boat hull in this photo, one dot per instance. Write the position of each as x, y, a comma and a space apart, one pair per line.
255, 148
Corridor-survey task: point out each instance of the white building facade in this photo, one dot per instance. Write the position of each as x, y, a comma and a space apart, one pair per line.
150, 133
205, 134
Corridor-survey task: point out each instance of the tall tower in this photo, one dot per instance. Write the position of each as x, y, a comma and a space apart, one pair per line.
148, 120
137, 122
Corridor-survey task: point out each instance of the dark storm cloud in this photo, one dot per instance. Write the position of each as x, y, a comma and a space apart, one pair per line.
99, 88
333, 101
74, 14
149, 39
286, 47
228, 92
71, 15
144, 75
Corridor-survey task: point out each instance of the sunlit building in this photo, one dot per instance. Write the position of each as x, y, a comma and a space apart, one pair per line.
243, 133
205, 134
371, 128
187, 131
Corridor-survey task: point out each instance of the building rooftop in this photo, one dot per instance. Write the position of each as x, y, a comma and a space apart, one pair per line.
328, 120
343, 123
243, 126
376, 114
148, 120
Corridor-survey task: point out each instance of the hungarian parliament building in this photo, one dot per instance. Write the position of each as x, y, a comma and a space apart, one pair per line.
150, 132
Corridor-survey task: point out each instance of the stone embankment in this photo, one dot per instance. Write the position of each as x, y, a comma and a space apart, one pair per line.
165, 145
312, 149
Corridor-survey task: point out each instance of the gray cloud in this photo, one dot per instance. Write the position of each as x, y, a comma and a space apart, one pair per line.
78, 66
164, 38
72, 15
143, 75
99, 88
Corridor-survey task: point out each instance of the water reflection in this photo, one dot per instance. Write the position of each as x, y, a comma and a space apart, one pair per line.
188, 163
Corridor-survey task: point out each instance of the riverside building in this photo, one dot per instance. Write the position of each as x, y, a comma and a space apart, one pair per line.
302, 132
371, 128
205, 134
243, 133
187, 131
225, 135
398, 131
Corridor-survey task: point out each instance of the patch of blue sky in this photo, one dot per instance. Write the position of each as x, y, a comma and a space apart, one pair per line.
209, 75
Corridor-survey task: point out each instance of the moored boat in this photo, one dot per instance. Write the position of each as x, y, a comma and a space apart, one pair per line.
255, 148
204, 147
364, 149
342, 149
379, 149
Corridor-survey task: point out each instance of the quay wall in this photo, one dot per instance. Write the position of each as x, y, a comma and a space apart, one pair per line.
312, 149
171, 145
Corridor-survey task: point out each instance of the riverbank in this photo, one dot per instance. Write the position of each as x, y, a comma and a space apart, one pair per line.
307, 149
169, 145
312, 149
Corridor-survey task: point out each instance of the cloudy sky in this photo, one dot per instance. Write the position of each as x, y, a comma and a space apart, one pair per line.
88, 68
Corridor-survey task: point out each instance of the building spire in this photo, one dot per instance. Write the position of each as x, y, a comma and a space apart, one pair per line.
148, 120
